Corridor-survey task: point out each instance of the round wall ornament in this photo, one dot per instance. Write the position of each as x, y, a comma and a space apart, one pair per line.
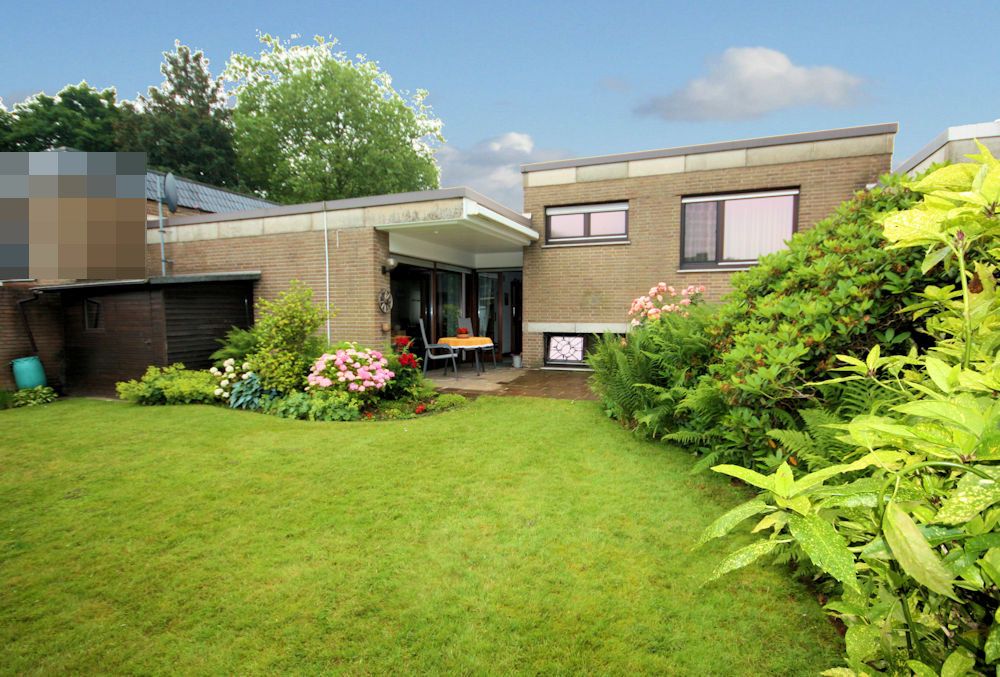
385, 300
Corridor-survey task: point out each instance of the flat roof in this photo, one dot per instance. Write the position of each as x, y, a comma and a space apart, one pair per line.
758, 142
957, 133
353, 203
234, 276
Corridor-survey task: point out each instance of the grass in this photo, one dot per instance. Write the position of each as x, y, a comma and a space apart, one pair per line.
515, 535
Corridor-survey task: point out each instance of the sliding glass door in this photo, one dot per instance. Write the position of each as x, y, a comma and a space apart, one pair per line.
449, 307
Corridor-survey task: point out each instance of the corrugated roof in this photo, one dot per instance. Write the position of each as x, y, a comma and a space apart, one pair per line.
196, 195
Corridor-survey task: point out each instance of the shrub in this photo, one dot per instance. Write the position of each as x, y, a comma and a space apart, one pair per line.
447, 401
409, 382
643, 376
906, 532
330, 405
169, 385
837, 289
284, 332
363, 373
30, 397
6, 399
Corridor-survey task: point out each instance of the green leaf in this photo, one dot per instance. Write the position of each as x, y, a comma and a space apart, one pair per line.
921, 670
972, 495
958, 663
954, 413
724, 524
775, 520
742, 557
872, 360
944, 376
957, 176
748, 476
839, 672
862, 642
825, 547
913, 552
784, 481
992, 647
934, 257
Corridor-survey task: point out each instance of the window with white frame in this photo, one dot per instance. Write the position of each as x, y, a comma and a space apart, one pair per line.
587, 224
734, 230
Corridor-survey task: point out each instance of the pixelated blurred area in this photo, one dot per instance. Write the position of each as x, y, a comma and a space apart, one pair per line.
70, 215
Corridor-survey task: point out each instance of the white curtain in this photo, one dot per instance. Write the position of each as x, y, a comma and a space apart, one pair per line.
756, 226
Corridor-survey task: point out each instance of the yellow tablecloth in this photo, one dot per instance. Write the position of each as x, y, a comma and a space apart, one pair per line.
470, 342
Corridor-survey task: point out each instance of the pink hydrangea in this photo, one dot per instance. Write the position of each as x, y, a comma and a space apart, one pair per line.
352, 370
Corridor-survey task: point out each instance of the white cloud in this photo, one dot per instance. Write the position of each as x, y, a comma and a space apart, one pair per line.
747, 82
493, 166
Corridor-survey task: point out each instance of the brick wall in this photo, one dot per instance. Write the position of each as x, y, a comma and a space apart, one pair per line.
356, 258
597, 283
45, 319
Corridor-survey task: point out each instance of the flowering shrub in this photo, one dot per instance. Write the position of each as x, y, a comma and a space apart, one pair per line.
363, 373
229, 376
661, 299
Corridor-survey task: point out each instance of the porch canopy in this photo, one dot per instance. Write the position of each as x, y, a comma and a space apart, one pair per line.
457, 226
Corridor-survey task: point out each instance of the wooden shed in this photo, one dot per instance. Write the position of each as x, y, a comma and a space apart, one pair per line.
115, 329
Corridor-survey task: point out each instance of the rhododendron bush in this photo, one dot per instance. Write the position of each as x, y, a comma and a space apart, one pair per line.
362, 373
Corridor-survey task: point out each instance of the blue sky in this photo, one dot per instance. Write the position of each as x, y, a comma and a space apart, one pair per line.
525, 81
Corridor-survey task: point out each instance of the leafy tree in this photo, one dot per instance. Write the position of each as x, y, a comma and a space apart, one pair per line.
312, 124
184, 124
79, 117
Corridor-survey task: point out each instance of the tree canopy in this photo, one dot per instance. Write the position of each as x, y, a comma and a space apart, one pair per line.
184, 124
310, 123
79, 117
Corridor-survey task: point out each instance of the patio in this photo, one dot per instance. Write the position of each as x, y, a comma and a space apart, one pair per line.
507, 381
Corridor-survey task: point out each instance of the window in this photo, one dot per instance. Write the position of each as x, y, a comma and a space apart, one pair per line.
736, 230
568, 350
92, 316
587, 224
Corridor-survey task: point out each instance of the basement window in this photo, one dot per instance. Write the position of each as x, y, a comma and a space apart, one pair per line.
587, 224
565, 349
734, 230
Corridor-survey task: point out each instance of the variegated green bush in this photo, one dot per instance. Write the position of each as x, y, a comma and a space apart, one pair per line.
906, 529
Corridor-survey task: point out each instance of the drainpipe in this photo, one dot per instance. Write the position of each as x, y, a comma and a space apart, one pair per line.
326, 267
163, 253
24, 318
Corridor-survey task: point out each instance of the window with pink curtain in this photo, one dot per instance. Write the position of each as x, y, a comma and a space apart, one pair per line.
737, 228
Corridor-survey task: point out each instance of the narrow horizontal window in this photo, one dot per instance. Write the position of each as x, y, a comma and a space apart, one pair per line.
582, 224
736, 229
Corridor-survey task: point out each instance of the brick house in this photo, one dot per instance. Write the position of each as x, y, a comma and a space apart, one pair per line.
593, 234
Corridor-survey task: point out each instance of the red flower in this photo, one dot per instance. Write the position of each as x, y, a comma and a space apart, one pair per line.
408, 360
401, 342
421, 408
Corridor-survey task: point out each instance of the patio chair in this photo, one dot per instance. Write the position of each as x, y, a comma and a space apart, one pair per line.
466, 323
429, 348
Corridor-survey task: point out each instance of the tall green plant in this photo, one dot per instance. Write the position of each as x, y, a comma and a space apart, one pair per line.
284, 338
910, 531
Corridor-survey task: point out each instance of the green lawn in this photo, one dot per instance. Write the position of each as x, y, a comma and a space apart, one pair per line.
515, 535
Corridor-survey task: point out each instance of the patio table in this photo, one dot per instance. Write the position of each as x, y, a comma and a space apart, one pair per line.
466, 343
